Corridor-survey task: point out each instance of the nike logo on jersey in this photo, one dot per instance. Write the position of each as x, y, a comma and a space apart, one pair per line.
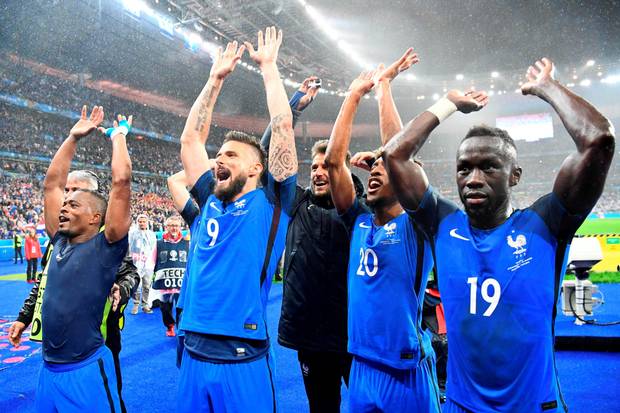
453, 234
363, 225
212, 205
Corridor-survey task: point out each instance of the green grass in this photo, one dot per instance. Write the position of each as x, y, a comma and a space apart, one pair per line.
600, 277
600, 226
13, 277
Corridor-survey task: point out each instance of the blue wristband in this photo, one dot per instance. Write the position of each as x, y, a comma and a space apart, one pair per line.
123, 127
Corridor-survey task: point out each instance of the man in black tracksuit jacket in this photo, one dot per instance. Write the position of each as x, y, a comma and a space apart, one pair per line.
314, 301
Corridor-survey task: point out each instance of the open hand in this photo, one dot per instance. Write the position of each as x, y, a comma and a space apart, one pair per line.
15, 333
225, 61
408, 59
471, 101
363, 84
85, 125
115, 296
538, 76
267, 50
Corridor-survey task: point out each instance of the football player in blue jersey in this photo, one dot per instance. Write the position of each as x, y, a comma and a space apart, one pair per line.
500, 269
239, 238
393, 366
78, 370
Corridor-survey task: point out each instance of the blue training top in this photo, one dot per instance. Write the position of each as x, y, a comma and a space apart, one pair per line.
223, 295
79, 280
386, 289
499, 288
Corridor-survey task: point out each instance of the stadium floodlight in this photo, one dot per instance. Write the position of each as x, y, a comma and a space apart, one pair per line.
410, 77
134, 6
460, 77
494, 75
611, 80
590, 63
435, 96
585, 82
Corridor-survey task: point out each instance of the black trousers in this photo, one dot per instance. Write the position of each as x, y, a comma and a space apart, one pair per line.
166, 313
113, 342
31, 270
323, 373
18, 251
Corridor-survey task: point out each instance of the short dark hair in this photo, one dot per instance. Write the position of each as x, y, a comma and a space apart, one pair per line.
100, 204
490, 131
253, 141
320, 147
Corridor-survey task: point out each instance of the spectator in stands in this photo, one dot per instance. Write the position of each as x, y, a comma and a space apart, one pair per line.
33, 254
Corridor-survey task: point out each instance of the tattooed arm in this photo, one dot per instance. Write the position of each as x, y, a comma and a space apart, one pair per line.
193, 152
282, 154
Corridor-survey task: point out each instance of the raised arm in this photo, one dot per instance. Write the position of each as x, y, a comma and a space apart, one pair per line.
298, 102
581, 178
407, 177
282, 154
56, 176
389, 119
196, 131
343, 191
117, 217
177, 185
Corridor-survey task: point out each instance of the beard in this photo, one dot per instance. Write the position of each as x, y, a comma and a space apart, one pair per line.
228, 193
381, 202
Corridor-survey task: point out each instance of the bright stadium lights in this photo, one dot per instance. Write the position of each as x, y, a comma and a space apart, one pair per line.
134, 6
410, 77
585, 82
460, 77
590, 63
321, 22
611, 80
435, 96
491, 92
494, 75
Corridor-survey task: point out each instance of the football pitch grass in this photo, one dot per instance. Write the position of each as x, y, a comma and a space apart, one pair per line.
600, 226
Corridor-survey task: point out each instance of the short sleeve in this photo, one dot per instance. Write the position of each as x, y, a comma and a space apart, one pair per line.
203, 188
431, 211
286, 191
190, 212
112, 252
560, 222
349, 216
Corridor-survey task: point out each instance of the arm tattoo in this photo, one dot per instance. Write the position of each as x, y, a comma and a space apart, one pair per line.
282, 153
205, 110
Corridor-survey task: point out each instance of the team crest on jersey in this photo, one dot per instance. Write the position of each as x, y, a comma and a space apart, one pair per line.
518, 242
390, 231
240, 204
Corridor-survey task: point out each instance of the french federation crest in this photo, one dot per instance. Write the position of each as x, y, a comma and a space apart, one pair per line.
390, 229
518, 244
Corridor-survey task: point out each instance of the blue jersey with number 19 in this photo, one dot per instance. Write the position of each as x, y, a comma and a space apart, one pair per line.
386, 289
499, 289
223, 295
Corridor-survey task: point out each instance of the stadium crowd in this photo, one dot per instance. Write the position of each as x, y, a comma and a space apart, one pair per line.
28, 141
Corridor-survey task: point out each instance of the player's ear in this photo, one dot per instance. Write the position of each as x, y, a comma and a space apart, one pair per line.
515, 175
256, 169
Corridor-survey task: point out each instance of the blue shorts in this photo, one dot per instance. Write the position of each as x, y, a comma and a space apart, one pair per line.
86, 386
376, 387
226, 387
